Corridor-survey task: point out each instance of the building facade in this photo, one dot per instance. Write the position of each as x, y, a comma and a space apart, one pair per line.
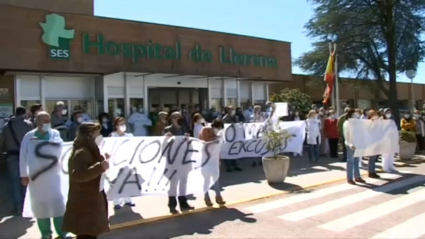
110, 65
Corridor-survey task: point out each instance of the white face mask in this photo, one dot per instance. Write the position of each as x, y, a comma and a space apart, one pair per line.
80, 119
216, 131
406, 116
46, 127
98, 140
332, 116
123, 128
232, 112
375, 117
64, 112
387, 116
417, 116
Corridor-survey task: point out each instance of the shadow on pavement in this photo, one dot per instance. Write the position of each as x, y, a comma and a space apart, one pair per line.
14, 227
125, 214
199, 223
286, 187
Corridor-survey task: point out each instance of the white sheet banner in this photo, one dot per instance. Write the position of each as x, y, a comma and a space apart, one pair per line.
374, 137
140, 166
245, 140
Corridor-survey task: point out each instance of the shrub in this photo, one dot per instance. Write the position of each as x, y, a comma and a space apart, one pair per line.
407, 136
275, 137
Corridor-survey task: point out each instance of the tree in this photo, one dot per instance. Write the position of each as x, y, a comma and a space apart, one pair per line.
375, 39
296, 99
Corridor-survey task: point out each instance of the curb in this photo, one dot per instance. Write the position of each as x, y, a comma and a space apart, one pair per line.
228, 204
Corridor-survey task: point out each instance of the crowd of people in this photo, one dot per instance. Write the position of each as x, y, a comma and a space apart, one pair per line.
324, 130
88, 163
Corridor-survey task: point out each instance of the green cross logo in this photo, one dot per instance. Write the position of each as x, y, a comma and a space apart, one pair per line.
57, 37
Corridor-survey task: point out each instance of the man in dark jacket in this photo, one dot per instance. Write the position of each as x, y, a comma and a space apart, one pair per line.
10, 142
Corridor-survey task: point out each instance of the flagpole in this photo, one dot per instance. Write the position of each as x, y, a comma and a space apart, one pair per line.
338, 110
333, 92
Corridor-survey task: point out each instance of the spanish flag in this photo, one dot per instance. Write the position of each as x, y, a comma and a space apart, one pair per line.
329, 78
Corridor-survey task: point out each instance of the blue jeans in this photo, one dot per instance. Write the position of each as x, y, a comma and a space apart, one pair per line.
352, 165
313, 152
372, 164
16, 188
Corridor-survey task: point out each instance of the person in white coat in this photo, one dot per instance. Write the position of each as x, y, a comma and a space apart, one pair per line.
388, 159
313, 136
45, 199
119, 131
139, 122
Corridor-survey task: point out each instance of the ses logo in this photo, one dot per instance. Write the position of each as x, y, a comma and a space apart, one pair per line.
57, 37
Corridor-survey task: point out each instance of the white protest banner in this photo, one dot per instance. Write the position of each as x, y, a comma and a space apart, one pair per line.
245, 140
281, 109
139, 166
374, 137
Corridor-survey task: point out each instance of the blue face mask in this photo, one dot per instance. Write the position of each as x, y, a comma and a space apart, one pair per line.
46, 127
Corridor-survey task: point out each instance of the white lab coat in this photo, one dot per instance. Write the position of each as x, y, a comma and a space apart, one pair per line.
197, 130
313, 131
47, 195
139, 122
120, 201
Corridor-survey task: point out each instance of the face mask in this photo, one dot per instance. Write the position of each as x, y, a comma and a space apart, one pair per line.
417, 116
104, 120
321, 113
406, 116
332, 116
64, 112
184, 110
141, 110
232, 112
98, 140
375, 117
216, 131
123, 128
296, 113
355, 116
46, 127
387, 116
80, 119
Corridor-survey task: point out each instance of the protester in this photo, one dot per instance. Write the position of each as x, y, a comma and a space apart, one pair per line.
373, 115
257, 116
47, 199
353, 168
161, 124
229, 117
324, 147
106, 124
76, 120
331, 131
10, 142
120, 131
407, 123
59, 120
365, 114
268, 109
240, 118
420, 130
388, 158
34, 111
176, 128
86, 212
198, 123
211, 133
248, 112
341, 121
138, 122
186, 116
313, 136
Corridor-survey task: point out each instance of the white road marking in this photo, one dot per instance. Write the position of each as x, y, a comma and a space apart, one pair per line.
308, 196
410, 229
374, 212
345, 201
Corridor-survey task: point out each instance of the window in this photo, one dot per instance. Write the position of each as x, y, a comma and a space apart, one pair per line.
116, 108
85, 105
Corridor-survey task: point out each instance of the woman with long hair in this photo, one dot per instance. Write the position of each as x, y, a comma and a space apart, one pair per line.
86, 212
105, 122
353, 167
119, 131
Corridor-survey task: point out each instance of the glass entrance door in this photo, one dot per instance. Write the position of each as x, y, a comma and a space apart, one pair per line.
167, 98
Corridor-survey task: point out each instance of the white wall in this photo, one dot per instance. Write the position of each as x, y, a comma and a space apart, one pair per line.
58, 87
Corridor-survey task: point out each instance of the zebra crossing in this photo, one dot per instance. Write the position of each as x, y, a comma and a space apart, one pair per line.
345, 207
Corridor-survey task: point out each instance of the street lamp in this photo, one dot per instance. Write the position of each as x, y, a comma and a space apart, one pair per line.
411, 74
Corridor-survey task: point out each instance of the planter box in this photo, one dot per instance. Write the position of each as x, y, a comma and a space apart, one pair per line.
407, 150
276, 170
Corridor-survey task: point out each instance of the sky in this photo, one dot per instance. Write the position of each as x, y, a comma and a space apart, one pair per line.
272, 19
